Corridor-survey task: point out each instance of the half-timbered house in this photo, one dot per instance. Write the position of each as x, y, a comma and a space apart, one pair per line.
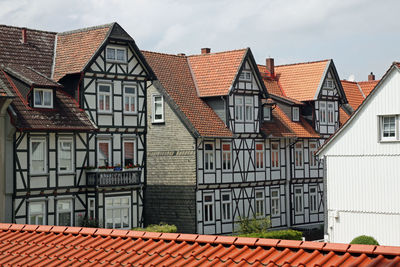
79, 125
220, 149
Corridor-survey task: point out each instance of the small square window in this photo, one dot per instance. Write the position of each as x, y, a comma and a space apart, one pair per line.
245, 76
43, 98
388, 128
117, 54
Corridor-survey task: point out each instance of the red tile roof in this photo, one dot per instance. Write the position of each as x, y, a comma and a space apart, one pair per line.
75, 49
368, 86
61, 246
353, 93
174, 74
215, 72
30, 76
343, 116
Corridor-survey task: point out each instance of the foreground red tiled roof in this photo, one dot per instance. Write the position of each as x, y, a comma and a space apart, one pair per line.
215, 72
174, 74
74, 49
44, 245
368, 86
343, 116
353, 93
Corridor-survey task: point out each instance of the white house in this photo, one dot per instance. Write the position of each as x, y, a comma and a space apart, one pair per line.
362, 168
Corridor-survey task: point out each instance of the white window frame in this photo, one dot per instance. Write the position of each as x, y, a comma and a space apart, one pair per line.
396, 130
91, 209
312, 160
259, 202
43, 140
260, 156
153, 109
209, 157
239, 108
298, 155
330, 112
226, 161
295, 113
62, 140
105, 95
275, 203
323, 112
266, 113
275, 156
108, 141
116, 48
313, 198
51, 91
70, 211
121, 207
298, 201
132, 98
245, 75
43, 213
208, 209
129, 140
226, 207
249, 108
329, 84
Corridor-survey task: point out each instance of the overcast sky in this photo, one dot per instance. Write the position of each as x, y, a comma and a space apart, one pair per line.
359, 35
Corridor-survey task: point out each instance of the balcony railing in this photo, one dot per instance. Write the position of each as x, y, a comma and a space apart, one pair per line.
102, 178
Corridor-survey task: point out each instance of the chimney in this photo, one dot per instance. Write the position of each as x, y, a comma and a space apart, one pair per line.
205, 50
269, 63
24, 39
371, 77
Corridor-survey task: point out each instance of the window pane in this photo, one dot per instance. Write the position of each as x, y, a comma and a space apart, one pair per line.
110, 53
128, 153
104, 88
130, 90
226, 197
47, 98
120, 54
103, 155
208, 147
38, 97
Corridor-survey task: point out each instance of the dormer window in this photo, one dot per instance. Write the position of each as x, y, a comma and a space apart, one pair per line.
116, 54
42, 98
295, 113
245, 76
267, 113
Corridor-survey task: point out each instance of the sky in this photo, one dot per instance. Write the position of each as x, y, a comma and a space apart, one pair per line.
361, 36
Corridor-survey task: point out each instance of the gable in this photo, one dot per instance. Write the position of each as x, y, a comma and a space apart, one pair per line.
248, 79
330, 85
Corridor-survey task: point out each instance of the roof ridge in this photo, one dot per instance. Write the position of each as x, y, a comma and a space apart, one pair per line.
87, 29
303, 63
30, 29
348, 81
165, 54
220, 52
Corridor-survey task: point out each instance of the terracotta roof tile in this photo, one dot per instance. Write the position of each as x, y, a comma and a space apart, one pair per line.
368, 86
215, 72
75, 49
343, 116
29, 76
174, 74
46, 246
353, 93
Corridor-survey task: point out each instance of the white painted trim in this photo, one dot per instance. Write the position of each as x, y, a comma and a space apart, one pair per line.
38, 139
43, 105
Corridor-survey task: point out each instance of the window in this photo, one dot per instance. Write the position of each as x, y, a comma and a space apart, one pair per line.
38, 155
65, 154
313, 199
322, 112
103, 152
295, 114
239, 108
116, 54
104, 98
129, 152
260, 211
226, 207
298, 155
91, 208
249, 108
42, 98
208, 208
328, 84
64, 212
245, 76
298, 200
130, 98
37, 213
267, 113
259, 156
311, 157
275, 164
158, 108
275, 209
118, 212
209, 156
388, 128
226, 156
331, 113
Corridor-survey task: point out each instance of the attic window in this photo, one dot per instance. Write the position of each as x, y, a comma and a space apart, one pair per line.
245, 76
329, 84
267, 113
117, 54
295, 113
43, 98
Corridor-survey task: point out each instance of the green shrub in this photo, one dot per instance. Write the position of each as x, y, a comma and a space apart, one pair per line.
160, 228
88, 222
364, 240
280, 234
247, 226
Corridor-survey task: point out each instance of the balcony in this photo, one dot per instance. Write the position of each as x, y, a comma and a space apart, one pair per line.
105, 178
